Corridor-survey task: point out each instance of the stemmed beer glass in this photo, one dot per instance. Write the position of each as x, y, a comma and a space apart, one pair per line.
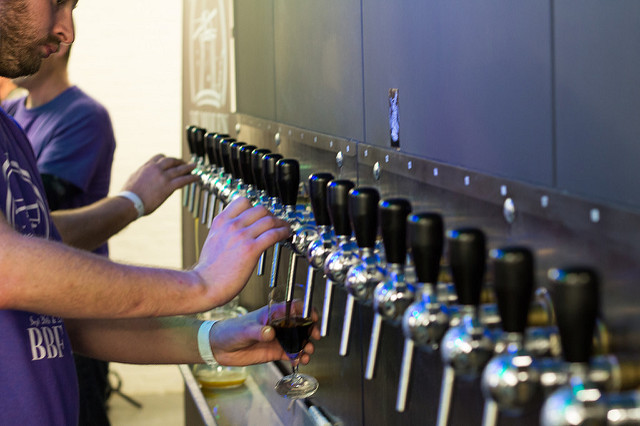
293, 330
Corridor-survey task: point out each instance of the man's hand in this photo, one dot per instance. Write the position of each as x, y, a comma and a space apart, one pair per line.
237, 238
246, 340
156, 180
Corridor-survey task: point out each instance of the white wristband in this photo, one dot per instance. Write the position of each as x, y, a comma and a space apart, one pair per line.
135, 199
204, 344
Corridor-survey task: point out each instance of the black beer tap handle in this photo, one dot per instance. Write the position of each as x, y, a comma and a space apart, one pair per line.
363, 214
513, 286
575, 295
269, 173
211, 147
288, 180
337, 205
245, 164
198, 141
257, 166
318, 196
467, 263
393, 214
225, 153
191, 139
234, 149
426, 239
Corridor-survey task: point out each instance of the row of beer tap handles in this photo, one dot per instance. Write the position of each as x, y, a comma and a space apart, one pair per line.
504, 344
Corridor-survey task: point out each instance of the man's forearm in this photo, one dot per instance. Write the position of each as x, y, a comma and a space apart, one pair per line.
168, 340
51, 278
91, 226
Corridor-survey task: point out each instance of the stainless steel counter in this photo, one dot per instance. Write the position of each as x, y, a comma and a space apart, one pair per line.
253, 403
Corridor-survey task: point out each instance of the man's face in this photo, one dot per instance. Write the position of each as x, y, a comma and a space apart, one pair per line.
31, 30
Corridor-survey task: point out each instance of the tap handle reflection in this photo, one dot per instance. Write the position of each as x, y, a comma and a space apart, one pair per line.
575, 298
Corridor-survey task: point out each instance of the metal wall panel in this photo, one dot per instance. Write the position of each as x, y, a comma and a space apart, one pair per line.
255, 61
474, 82
319, 65
598, 99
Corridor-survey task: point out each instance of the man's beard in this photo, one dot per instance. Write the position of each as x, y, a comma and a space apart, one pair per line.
19, 53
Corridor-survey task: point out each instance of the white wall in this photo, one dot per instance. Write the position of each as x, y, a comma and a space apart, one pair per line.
128, 55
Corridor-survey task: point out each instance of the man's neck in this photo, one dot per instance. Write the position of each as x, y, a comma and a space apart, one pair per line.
41, 94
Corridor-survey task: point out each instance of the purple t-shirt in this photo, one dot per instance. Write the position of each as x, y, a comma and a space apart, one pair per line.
37, 375
72, 139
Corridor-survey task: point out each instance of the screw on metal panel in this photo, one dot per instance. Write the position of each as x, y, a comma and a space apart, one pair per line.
509, 210
238, 128
339, 159
544, 201
594, 214
503, 190
277, 138
377, 170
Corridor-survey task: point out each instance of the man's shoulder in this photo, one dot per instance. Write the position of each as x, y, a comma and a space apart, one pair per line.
75, 101
11, 105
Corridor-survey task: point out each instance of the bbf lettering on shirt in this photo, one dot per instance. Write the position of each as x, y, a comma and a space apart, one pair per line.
46, 338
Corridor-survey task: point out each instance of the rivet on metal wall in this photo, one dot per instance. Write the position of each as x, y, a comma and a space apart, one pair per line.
366, 152
435, 171
467, 181
503, 190
348, 148
315, 139
409, 165
276, 139
330, 144
386, 158
339, 159
377, 170
509, 210
238, 128
594, 214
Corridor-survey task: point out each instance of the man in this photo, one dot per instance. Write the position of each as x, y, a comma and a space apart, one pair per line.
111, 311
72, 138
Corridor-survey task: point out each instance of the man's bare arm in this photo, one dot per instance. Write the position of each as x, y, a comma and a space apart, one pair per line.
51, 278
91, 226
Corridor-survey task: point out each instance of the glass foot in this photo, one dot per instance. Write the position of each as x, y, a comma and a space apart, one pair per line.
297, 386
